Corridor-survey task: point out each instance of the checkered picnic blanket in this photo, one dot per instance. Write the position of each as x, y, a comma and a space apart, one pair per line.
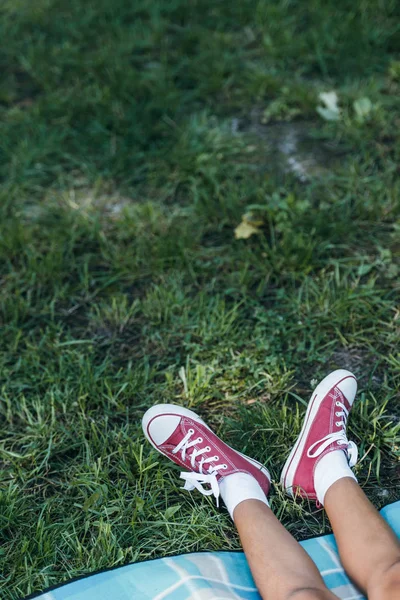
206, 575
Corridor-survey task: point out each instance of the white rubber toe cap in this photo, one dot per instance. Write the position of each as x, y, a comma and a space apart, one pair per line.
161, 420
159, 427
348, 385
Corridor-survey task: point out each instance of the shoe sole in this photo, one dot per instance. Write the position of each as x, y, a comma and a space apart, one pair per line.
290, 467
161, 409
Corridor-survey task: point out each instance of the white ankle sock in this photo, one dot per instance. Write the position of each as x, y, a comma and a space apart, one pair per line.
238, 487
331, 467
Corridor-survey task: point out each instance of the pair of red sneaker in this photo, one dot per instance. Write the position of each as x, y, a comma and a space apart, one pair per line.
184, 438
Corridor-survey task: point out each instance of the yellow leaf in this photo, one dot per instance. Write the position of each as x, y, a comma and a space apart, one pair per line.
245, 230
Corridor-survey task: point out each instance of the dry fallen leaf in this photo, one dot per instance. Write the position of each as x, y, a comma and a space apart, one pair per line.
330, 99
249, 226
331, 110
245, 230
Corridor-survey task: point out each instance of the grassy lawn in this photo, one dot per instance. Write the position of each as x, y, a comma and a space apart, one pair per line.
134, 137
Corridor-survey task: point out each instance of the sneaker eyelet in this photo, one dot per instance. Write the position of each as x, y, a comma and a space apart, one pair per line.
207, 449
225, 467
191, 431
337, 414
338, 423
215, 458
199, 440
337, 403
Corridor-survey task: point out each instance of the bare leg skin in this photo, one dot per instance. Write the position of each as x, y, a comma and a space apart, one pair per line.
281, 568
369, 549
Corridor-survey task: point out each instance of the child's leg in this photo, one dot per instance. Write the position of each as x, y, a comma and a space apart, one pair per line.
369, 550
281, 568
319, 468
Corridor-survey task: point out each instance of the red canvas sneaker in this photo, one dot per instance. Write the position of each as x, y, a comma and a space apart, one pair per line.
184, 438
323, 431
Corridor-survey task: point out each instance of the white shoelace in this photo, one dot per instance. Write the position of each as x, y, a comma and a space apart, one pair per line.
338, 436
195, 480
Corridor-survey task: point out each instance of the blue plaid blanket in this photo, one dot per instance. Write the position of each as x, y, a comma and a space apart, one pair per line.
206, 575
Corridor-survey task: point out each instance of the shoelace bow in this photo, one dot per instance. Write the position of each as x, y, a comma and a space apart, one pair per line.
337, 436
196, 479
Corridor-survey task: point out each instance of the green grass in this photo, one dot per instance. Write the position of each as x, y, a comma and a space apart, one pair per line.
123, 174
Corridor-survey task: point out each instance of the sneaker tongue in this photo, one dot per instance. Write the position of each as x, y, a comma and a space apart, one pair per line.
176, 437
